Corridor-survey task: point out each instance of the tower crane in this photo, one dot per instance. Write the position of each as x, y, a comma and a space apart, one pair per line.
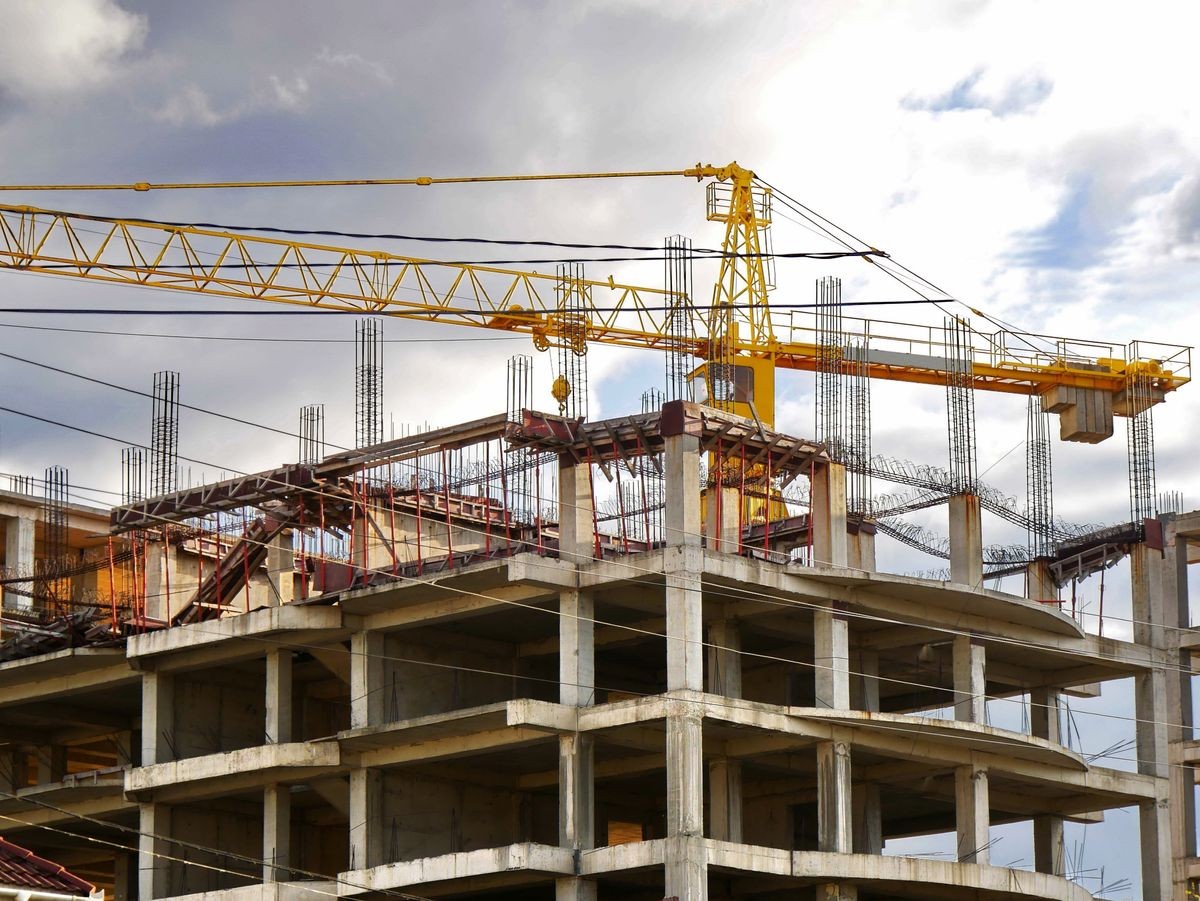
739, 338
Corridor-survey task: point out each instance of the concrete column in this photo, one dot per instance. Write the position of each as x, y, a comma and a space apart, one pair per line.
165, 590
158, 717
972, 815
860, 546
576, 648
828, 512
154, 824
279, 695
367, 694
1048, 847
576, 523
970, 684
1150, 708
1176, 615
1039, 585
681, 467
686, 868
574, 888
277, 833
280, 568
831, 659
725, 659
685, 762
725, 800
366, 818
125, 877
684, 601
576, 787
864, 684
51, 763
966, 541
867, 818
721, 518
834, 803
18, 552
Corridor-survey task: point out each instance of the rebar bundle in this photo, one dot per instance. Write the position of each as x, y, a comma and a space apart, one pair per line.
164, 434
960, 405
831, 344
517, 478
368, 382
133, 474
1140, 444
857, 449
570, 387
1039, 480
312, 433
680, 334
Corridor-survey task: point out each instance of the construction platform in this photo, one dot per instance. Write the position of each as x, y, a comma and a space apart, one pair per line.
478, 701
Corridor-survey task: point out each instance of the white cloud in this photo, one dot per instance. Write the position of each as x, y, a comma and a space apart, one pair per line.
65, 46
191, 105
346, 60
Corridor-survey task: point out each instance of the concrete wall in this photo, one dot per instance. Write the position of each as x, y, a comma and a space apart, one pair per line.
217, 711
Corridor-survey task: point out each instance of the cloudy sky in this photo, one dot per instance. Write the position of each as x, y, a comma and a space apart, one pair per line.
1038, 161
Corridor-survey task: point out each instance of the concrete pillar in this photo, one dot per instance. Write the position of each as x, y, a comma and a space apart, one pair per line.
51, 763
1151, 709
725, 800
864, 684
576, 787
18, 553
277, 833
366, 818
686, 868
681, 466
725, 658
158, 717
367, 694
279, 695
154, 824
828, 512
280, 568
576, 523
721, 519
685, 762
165, 590
966, 541
860, 546
970, 684
576, 648
684, 601
574, 888
834, 803
1179, 696
831, 659
1048, 848
867, 818
125, 876
971, 812
1039, 585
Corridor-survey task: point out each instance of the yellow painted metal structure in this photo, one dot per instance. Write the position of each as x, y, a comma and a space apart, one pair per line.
737, 331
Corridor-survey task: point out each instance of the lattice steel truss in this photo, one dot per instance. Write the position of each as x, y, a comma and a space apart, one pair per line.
960, 405
1039, 480
368, 382
312, 433
570, 387
679, 326
1140, 445
164, 434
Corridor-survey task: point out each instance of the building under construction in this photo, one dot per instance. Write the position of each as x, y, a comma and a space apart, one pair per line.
538, 655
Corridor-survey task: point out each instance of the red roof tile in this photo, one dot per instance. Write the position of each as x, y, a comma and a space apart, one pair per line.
21, 868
